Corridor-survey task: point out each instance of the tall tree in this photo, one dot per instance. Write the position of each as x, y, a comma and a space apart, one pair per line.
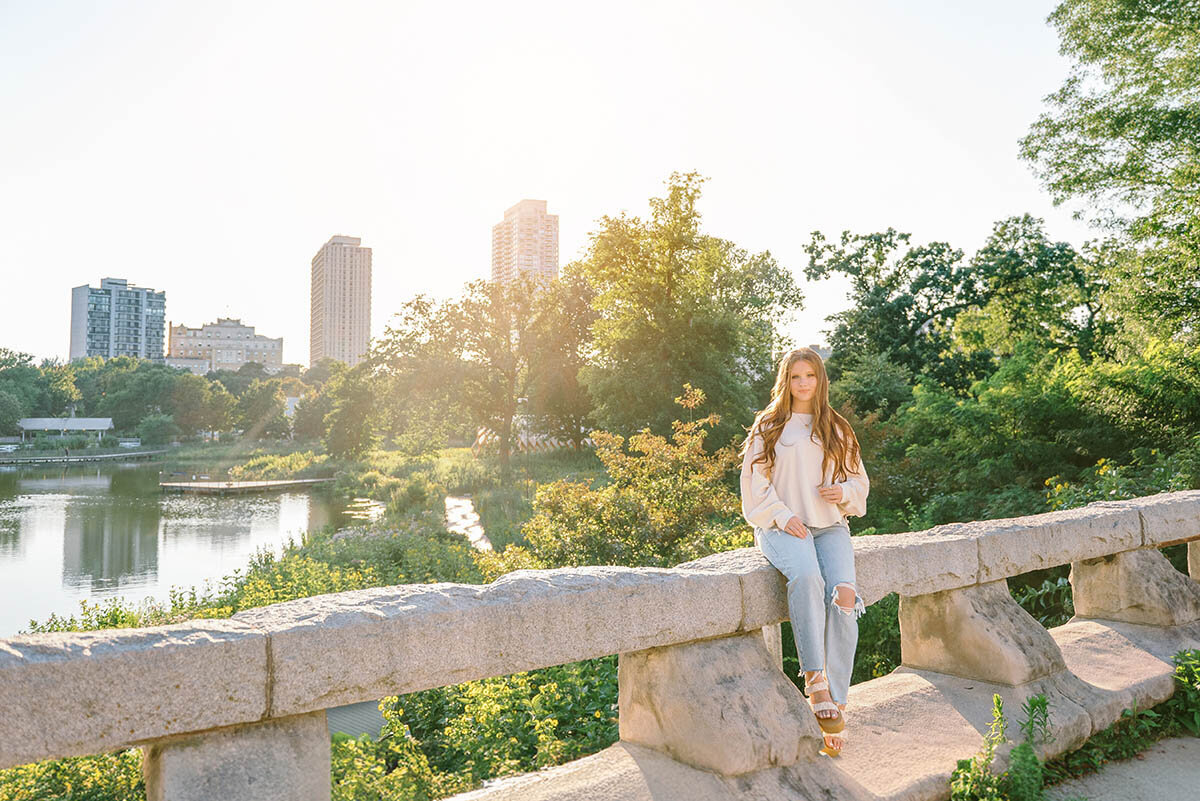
676, 305
934, 313
496, 321
1122, 135
561, 341
260, 411
418, 362
351, 428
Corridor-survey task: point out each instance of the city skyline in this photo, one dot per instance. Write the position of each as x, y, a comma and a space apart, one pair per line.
193, 127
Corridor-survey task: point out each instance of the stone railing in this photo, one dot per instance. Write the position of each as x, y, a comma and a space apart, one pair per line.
235, 709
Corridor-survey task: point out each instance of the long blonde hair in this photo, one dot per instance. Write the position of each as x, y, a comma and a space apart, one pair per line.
836, 436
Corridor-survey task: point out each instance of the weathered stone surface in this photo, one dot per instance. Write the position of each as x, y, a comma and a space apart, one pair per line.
764, 590
279, 760
628, 772
914, 563
338, 649
1018, 545
1167, 517
976, 632
1136, 587
718, 705
67, 694
1121, 661
1194, 560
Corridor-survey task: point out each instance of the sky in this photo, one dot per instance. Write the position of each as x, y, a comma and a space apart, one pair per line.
209, 149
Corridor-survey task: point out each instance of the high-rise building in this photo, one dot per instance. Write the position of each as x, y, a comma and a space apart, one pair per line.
340, 314
525, 241
226, 344
117, 320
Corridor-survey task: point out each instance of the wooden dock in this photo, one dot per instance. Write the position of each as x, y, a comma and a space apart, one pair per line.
238, 487
81, 458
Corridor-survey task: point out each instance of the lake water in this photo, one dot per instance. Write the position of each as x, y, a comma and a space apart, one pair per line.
72, 533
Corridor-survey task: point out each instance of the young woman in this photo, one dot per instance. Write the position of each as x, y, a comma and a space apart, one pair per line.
802, 475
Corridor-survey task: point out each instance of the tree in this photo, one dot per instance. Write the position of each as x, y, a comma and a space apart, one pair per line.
1121, 135
496, 321
350, 426
260, 411
676, 305
1035, 290
191, 403
156, 429
560, 344
10, 413
419, 366
938, 316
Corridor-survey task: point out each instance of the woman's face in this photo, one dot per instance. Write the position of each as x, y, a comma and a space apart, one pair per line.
802, 381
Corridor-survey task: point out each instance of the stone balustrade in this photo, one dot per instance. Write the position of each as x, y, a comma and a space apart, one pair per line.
234, 709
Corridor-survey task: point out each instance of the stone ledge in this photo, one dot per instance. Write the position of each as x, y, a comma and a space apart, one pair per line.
1115, 665
76, 693
355, 646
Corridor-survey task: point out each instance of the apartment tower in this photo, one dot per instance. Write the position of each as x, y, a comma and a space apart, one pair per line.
340, 314
525, 241
117, 320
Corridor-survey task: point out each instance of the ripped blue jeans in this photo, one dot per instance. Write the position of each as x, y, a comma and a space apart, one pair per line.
826, 634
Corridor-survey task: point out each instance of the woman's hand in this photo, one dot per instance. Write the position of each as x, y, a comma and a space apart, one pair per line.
796, 528
833, 493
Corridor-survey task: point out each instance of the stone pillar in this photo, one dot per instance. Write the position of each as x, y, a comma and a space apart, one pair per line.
773, 637
1135, 587
977, 632
720, 705
1194, 560
286, 759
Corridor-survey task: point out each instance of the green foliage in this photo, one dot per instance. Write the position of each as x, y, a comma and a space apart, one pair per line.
1184, 706
677, 305
1050, 602
270, 466
1120, 135
10, 413
973, 780
260, 410
107, 777
662, 506
511, 724
156, 429
559, 342
878, 652
350, 426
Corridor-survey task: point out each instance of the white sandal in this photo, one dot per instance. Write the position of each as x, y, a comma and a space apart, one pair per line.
833, 725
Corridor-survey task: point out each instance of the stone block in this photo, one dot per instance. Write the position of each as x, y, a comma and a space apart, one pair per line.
1193, 551
286, 759
75, 693
764, 589
914, 563
719, 705
333, 650
1136, 587
976, 632
1168, 517
1016, 545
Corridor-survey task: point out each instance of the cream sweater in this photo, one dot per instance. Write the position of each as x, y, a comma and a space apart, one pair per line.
792, 489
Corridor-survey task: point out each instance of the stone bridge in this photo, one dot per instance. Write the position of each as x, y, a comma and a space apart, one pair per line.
235, 709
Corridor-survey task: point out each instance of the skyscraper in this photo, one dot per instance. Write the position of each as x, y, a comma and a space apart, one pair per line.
525, 241
340, 314
117, 320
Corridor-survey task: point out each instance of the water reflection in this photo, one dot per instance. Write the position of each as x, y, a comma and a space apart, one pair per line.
72, 533
106, 545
